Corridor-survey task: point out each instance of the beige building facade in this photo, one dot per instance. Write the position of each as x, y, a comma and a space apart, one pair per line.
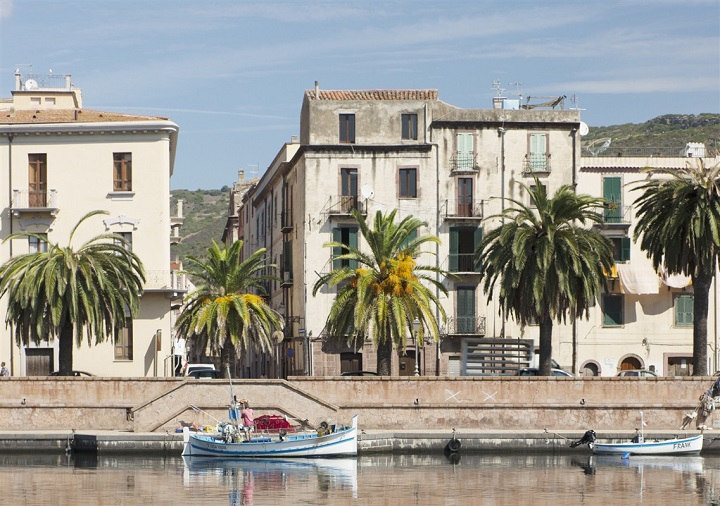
59, 161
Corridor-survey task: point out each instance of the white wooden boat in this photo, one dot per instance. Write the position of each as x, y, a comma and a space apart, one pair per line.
339, 441
678, 446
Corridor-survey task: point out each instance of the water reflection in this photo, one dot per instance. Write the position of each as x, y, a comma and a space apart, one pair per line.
377, 480
242, 476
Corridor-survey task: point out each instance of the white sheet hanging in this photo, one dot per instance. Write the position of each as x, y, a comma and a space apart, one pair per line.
674, 280
638, 279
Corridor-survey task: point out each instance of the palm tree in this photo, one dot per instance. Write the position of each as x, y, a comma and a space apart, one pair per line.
223, 312
382, 292
679, 223
64, 292
545, 262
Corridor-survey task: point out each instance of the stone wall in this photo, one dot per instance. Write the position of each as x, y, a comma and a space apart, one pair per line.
160, 405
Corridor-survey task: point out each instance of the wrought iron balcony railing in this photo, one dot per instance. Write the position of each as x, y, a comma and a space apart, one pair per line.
536, 162
464, 325
463, 208
344, 204
463, 161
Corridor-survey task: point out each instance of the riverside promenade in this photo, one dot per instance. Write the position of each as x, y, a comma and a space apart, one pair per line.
397, 414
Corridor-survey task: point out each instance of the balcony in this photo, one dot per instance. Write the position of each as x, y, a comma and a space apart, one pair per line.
463, 161
286, 224
34, 202
463, 209
287, 279
464, 325
615, 214
462, 263
343, 205
175, 234
173, 283
536, 163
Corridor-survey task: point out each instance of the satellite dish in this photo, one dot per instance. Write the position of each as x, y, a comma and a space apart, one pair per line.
278, 336
31, 84
584, 129
367, 193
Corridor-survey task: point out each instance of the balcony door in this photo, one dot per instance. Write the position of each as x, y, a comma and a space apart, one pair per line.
348, 188
464, 196
465, 310
37, 180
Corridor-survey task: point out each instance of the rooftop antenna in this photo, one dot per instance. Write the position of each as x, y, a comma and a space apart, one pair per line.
499, 90
518, 89
575, 101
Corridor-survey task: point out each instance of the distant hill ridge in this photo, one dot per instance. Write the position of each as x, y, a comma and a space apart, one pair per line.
206, 211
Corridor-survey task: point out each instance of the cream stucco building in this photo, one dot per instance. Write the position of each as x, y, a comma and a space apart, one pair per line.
58, 161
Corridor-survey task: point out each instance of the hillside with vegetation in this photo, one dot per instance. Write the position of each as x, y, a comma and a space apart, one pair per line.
206, 211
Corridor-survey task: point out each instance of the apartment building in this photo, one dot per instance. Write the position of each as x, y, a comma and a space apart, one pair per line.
376, 150
645, 320
59, 161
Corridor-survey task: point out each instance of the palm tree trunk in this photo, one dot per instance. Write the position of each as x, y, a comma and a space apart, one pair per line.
65, 350
701, 286
384, 357
228, 358
545, 364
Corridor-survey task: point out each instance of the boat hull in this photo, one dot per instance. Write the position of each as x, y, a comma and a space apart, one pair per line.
342, 442
684, 446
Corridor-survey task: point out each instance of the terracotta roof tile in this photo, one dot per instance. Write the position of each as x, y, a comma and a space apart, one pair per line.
67, 116
372, 94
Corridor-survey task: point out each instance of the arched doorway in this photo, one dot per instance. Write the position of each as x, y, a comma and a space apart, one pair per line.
630, 363
590, 368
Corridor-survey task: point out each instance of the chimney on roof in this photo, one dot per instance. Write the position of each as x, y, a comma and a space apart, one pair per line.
317, 90
18, 81
241, 175
68, 82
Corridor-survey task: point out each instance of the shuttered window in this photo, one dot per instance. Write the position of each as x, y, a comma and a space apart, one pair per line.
612, 310
684, 310
348, 236
612, 193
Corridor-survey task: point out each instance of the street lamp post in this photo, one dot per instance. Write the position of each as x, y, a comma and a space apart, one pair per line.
416, 331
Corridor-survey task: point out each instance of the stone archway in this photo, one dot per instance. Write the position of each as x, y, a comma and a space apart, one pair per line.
631, 362
590, 368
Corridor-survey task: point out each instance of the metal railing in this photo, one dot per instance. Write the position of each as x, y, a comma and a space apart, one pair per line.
344, 204
615, 214
462, 262
536, 162
465, 325
463, 208
645, 152
463, 161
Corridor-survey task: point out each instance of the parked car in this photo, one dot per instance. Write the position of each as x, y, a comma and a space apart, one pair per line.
72, 373
534, 371
359, 373
642, 373
189, 368
204, 373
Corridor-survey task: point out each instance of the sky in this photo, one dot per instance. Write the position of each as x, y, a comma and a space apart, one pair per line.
232, 74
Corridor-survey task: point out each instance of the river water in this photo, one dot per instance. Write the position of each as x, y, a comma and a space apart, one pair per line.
377, 480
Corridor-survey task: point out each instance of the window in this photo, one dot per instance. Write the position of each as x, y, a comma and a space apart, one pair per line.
349, 237
534, 188
37, 180
409, 126
347, 128
122, 172
37, 243
125, 240
408, 183
463, 242
50, 100
411, 237
348, 189
465, 196
612, 307
465, 151
465, 310
124, 338
612, 193
684, 312
538, 157
35, 100
621, 248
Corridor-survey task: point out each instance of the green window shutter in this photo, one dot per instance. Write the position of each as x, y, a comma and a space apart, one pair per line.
465, 310
684, 310
454, 243
353, 243
612, 310
337, 237
538, 144
612, 193
477, 240
411, 237
625, 249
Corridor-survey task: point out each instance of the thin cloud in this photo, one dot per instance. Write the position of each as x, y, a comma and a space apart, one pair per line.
6, 8
190, 111
638, 85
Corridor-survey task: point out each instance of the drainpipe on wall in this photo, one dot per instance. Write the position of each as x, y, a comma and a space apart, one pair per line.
573, 132
437, 232
10, 243
501, 133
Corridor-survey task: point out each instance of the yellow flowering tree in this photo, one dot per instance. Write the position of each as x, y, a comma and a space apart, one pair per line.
224, 313
382, 291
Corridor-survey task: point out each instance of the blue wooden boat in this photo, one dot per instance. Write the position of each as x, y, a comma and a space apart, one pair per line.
336, 441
